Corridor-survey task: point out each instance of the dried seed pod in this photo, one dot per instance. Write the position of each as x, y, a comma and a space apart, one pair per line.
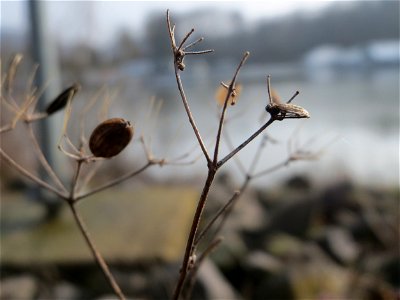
110, 137
61, 100
286, 111
281, 111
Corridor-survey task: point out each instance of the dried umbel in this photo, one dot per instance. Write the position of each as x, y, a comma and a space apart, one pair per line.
61, 100
110, 137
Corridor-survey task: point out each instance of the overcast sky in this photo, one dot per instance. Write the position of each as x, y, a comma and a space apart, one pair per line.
80, 19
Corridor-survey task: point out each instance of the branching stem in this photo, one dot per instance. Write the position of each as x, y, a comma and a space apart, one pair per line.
244, 144
193, 230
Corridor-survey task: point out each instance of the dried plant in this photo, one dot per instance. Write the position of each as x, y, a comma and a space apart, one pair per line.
277, 111
107, 140
110, 137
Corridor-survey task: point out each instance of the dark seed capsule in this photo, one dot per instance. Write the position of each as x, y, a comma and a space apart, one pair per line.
110, 137
61, 100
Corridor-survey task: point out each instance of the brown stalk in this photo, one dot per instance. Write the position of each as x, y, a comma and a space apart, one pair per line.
192, 234
96, 254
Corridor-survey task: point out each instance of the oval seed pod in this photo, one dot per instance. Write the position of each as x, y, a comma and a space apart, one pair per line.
61, 100
110, 137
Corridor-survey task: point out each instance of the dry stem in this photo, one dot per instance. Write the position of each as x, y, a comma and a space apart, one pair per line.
96, 254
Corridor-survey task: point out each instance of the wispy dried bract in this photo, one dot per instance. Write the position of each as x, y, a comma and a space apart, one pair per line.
11, 72
222, 93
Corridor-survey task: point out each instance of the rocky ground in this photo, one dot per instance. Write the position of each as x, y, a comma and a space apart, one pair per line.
295, 241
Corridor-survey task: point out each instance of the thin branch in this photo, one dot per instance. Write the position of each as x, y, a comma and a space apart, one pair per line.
228, 95
44, 161
114, 182
88, 177
257, 155
36, 117
185, 39
28, 119
182, 92
229, 142
171, 31
146, 148
214, 244
273, 168
199, 52
269, 89
32, 177
22, 111
217, 215
75, 180
193, 44
294, 96
6, 128
190, 116
229, 209
9, 80
11, 107
244, 144
99, 259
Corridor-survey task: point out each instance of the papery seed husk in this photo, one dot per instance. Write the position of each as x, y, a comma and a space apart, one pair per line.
221, 93
295, 110
287, 111
110, 137
62, 99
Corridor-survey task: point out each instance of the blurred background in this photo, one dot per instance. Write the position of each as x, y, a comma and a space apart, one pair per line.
343, 57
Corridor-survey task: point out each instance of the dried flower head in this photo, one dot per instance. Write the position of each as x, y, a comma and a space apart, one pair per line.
222, 91
110, 137
281, 111
62, 99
